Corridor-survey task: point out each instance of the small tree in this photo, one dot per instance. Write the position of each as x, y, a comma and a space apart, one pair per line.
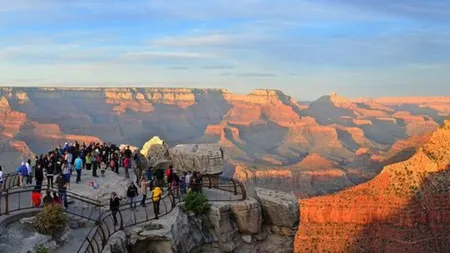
52, 220
197, 203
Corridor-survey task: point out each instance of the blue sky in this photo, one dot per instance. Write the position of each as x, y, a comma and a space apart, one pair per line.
305, 48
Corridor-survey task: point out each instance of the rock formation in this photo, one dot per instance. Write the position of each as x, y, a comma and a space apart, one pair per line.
155, 151
206, 158
403, 209
265, 128
228, 227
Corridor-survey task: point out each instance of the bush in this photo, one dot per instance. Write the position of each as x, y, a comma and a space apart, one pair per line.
197, 203
52, 220
40, 249
115, 248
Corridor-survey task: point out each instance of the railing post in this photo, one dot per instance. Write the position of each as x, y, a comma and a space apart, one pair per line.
6, 201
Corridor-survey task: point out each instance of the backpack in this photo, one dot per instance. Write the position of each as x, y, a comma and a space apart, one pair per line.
112, 164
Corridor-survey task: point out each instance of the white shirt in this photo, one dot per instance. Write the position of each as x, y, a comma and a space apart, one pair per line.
1, 176
188, 178
28, 168
65, 169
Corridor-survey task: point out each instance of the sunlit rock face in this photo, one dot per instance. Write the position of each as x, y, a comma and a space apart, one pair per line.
403, 209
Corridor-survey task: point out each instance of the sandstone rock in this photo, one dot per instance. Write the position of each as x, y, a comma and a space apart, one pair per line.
278, 208
246, 238
221, 218
155, 150
207, 158
248, 216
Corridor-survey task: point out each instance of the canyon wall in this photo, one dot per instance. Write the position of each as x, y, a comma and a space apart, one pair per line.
403, 209
265, 129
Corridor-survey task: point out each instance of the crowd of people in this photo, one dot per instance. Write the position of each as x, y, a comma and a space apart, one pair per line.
63, 161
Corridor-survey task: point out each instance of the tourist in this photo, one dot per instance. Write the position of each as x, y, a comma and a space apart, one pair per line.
48, 200
169, 174
78, 166
56, 199
149, 175
159, 176
115, 158
128, 152
183, 183
36, 197
132, 193
94, 164
88, 161
23, 173
156, 198
49, 172
66, 172
62, 188
175, 184
114, 205
1, 177
127, 165
39, 174
188, 179
29, 172
143, 183
69, 158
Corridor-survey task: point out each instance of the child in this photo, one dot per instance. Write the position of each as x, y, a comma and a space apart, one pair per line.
36, 197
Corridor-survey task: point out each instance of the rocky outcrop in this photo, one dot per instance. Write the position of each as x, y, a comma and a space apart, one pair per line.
228, 227
156, 151
403, 209
206, 158
280, 210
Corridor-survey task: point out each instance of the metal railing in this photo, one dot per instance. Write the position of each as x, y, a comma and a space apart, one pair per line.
99, 235
10, 180
18, 199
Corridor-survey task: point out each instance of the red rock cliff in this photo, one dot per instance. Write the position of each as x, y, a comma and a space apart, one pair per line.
406, 208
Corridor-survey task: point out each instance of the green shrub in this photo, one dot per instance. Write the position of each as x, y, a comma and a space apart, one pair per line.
40, 249
51, 221
197, 203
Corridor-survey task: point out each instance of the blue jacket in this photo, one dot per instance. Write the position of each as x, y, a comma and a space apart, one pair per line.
23, 170
78, 163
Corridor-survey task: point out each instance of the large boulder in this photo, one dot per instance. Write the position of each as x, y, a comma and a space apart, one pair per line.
279, 209
206, 158
155, 150
248, 216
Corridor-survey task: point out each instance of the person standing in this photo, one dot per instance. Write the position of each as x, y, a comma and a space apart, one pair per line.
66, 172
29, 172
143, 183
88, 161
78, 166
127, 165
156, 198
114, 205
62, 189
69, 159
49, 175
94, 165
23, 174
1, 177
39, 175
132, 193
149, 175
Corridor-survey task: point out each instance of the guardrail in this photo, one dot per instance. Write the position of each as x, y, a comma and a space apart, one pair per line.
99, 235
18, 199
10, 180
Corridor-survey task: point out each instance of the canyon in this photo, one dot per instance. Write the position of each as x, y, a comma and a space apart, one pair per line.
270, 139
403, 209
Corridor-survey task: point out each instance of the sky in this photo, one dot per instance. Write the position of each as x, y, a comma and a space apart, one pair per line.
306, 48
